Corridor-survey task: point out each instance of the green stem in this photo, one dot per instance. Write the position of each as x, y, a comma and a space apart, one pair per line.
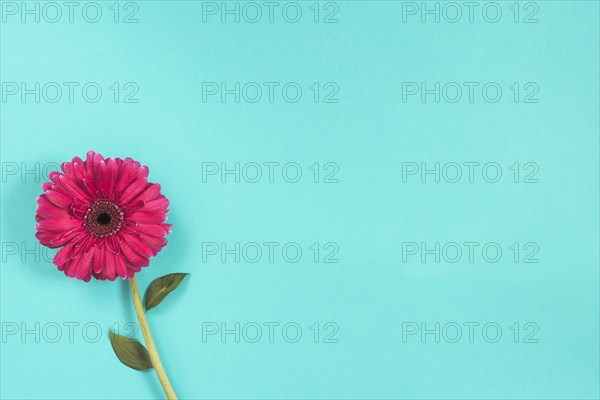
141, 314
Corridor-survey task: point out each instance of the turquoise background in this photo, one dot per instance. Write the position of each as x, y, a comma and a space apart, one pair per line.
369, 213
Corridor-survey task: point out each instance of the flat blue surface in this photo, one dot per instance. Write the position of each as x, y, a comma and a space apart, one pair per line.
378, 292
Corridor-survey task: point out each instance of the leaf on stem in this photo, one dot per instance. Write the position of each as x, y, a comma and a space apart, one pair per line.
160, 288
130, 352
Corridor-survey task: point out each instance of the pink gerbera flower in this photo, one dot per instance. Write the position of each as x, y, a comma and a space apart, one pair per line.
106, 216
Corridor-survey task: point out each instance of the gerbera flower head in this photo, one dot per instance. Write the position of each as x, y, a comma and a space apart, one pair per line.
104, 215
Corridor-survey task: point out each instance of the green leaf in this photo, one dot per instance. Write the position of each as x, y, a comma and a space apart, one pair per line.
130, 352
160, 288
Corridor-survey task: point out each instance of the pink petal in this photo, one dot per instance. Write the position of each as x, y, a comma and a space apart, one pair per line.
156, 242
49, 239
109, 178
142, 172
132, 191
70, 267
79, 169
66, 237
140, 247
59, 199
99, 259
74, 169
158, 205
151, 230
131, 255
58, 224
74, 189
47, 209
54, 176
135, 205
63, 256
90, 187
92, 163
84, 266
127, 174
68, 170
132, 269
146, 217
120, 266
110, 266
45, 238
151, 193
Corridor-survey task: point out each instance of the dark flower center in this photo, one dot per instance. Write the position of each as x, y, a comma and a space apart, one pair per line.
103, 218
